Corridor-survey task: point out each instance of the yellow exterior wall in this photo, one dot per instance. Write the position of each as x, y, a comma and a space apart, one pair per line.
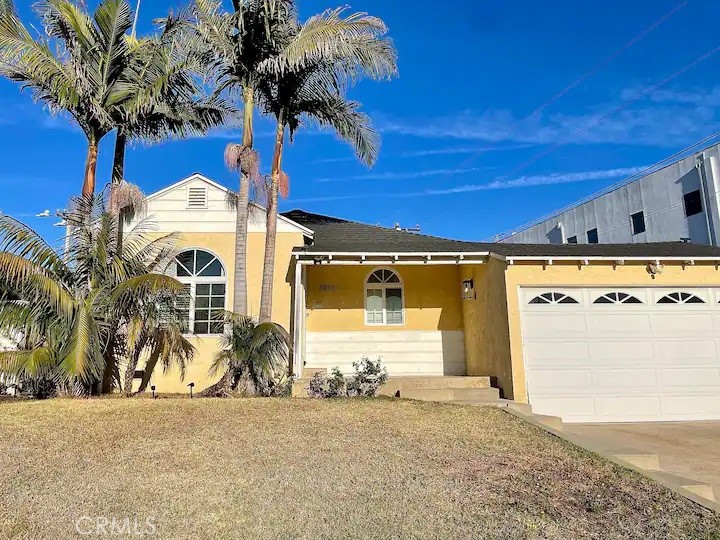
593, 275
223, 246
487, 341
336, 298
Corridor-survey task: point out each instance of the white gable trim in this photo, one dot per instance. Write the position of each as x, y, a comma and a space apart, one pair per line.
197, 176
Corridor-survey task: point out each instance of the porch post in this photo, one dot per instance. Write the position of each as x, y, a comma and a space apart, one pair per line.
298, 320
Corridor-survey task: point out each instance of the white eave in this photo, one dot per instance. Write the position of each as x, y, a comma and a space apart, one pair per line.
476, 257
614, 259
390, 257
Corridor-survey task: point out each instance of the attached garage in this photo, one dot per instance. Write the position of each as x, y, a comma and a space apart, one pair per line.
622, 354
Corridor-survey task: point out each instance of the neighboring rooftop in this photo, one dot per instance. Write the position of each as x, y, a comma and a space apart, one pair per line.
336, 235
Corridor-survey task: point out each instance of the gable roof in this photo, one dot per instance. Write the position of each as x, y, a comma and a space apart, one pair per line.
212, 183
335, 235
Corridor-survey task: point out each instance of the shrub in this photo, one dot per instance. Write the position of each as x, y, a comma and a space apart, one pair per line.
368, 378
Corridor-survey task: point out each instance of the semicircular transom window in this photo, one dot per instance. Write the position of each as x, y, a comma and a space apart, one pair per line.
383, 276
553, 298
617, 298
680, 298
204, 278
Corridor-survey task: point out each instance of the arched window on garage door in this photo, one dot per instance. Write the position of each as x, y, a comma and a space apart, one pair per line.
553, 298
617, 298
680, 298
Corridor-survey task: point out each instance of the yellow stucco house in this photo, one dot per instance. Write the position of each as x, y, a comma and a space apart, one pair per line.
593, 332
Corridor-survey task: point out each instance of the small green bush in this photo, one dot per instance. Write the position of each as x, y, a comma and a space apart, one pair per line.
368, 378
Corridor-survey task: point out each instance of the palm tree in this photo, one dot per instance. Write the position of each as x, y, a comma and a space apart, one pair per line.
313, 91
168, 99
238, 44
244, 50
77, 67
89, 68
253, 357
74, 312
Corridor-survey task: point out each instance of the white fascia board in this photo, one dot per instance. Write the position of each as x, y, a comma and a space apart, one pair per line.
608, 259
394, 254
179, 183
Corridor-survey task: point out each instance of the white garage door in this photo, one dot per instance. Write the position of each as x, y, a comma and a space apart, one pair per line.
615, 355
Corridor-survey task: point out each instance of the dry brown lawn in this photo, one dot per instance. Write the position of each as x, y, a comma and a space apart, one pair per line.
257, 468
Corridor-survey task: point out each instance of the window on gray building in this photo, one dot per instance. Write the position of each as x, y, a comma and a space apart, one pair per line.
638, 222
693, 203
572, 240
592, 236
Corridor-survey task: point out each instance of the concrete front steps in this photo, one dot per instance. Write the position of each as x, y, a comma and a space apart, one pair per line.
425, 388
441, 388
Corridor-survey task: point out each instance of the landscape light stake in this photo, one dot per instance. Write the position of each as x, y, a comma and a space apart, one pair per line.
191, 385
153, 391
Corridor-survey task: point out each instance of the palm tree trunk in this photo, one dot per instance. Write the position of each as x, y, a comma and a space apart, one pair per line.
88, 189
118, 175
271, 225
118, 170
240, 304
149, 368
221, 388
130, 372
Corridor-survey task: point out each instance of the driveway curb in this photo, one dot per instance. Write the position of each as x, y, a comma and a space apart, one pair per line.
688, 488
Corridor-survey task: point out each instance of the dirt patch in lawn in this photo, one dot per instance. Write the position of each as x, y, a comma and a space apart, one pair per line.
315, 469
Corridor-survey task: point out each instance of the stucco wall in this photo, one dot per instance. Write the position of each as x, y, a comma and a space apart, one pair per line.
430, 342
223, 246
487, 342
595, 274
336, 298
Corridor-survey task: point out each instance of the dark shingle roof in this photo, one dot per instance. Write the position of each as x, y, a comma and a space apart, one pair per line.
340, 235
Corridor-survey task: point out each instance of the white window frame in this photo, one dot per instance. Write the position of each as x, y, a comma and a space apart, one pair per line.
383, 287
196, 280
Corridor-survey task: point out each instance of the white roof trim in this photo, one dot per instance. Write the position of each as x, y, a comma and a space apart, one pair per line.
392, 253
198, 176
618, 260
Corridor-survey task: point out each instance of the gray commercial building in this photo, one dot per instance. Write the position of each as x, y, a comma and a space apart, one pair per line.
672, 202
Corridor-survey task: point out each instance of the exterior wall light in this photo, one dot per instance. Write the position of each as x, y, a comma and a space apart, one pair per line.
468, 290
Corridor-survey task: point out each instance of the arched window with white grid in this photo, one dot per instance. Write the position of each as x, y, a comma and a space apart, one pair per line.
384, 303
204, 277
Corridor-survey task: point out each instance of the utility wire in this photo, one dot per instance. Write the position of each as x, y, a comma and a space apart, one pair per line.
652, 168
572, 85
600, 118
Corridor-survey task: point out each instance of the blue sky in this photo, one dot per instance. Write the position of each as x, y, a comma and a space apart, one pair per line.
460, 157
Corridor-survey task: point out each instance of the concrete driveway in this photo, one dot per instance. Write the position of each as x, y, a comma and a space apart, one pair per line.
687, 449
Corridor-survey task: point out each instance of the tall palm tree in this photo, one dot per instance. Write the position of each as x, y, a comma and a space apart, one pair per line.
313, 92
74, 312
78, 66
168, 98
87, 67
238, 44
244, 49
